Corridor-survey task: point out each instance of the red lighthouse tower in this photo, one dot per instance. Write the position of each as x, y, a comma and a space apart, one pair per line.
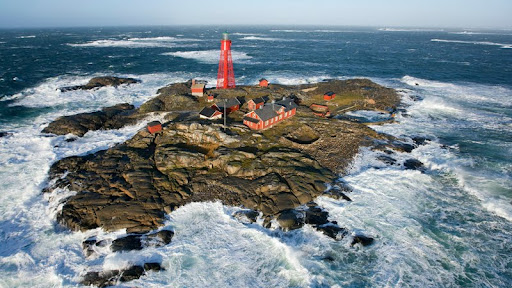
226, 76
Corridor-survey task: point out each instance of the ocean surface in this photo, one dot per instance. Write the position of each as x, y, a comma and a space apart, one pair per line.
448, 227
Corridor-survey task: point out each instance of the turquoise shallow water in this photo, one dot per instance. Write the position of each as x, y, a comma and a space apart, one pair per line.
447, 227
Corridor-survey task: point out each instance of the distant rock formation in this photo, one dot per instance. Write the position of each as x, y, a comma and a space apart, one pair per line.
99, 82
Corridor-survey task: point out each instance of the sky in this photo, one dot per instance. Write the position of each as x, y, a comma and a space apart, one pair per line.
387, 13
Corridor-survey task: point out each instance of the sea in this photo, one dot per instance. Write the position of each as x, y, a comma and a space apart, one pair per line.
449, 226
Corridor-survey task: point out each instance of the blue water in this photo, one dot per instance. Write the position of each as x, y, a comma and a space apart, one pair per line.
447, 227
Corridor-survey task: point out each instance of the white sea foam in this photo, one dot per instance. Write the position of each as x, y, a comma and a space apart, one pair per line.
410, 30
47, 94
504, 46
26, 36
209, 56
147, 42
256, 38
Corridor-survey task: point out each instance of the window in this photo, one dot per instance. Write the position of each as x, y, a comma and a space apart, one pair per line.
266, 123
280, 116
271, 120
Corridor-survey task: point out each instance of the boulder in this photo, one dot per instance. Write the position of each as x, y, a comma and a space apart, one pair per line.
290, 219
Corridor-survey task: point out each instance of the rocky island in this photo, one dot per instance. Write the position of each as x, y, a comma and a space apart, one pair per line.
274, 173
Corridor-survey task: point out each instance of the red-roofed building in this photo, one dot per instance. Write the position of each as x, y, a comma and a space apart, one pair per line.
255, 103
329, 95
263, 82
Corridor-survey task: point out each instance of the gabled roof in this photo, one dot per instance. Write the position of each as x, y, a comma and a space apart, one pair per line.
230, 102
330, 93
288, 104
250, 119
154, 123
198, 86
263, 79
208, 112
257, 100
266, 112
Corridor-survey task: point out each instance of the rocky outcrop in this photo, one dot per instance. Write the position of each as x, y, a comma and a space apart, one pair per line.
113, 117
99, 82
134, 184
113, 277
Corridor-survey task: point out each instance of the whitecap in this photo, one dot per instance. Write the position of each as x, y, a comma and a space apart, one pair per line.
506, 46
209, 56
256, 38
149, 42
26, 37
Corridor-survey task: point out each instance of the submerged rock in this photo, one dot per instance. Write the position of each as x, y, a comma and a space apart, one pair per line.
363, 240
246, 216
113, 277
332, 230
128, 243
414, 164
98, 82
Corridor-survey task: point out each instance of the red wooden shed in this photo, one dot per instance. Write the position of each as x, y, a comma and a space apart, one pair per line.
263, 82
329, 95
154, 127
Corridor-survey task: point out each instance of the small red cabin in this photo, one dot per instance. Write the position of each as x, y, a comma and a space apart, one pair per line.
263, 82
154, 127
255, 103
210, 97
197, 88
329, 95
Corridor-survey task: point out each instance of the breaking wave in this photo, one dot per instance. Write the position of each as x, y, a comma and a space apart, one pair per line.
150, 42
505, 46
209, 56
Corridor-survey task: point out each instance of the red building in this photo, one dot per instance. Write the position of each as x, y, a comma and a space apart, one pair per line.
154, 127
197, 88
231, 105
210, 97
270, 114
255, 103
263, 82
329, 95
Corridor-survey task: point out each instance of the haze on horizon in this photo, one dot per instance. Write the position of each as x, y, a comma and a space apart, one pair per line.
391, 13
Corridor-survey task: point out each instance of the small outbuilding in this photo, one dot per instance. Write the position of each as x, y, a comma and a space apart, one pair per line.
154, 127
210, 113
329, 95
320, 110
197, 88
255, 103
263, 82
210, 97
